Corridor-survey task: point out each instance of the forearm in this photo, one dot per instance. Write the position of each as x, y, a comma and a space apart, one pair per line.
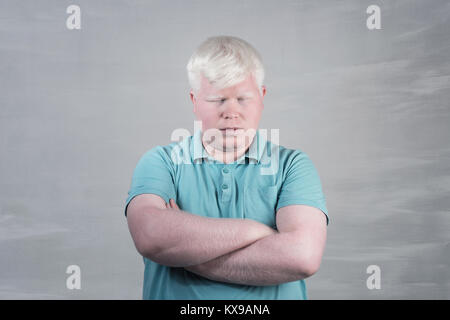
268, 261
178, 238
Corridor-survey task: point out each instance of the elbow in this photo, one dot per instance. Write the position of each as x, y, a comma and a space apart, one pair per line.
146, 244
146, 248
170, 257
308, 270
307, 265
139, 224
149, 246
146, 237
152, 252
145, 252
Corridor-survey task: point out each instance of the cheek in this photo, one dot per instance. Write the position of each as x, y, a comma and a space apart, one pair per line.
255, 114
207, 116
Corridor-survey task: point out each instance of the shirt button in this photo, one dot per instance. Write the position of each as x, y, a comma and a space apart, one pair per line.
224, 186
225, 170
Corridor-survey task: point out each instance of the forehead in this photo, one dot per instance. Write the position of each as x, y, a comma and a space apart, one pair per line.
247, 86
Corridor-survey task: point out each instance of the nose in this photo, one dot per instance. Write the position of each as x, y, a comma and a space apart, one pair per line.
229, 115
231, 110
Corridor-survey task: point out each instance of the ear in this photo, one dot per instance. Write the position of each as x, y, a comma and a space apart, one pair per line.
192, 96
193, 99
263, 90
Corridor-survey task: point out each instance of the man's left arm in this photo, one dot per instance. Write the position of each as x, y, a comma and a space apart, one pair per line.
294, 252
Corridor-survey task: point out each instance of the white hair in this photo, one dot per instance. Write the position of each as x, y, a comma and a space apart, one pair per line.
224, 61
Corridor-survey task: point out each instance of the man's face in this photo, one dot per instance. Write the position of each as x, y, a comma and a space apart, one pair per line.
239, 106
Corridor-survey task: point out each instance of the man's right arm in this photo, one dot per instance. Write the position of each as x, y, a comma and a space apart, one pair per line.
178, 238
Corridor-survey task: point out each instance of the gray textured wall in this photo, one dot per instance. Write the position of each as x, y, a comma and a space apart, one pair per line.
79, 107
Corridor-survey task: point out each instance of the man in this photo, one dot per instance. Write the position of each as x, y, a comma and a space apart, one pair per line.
218, 226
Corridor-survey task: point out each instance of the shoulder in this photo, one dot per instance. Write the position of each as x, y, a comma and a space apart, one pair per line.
287, 157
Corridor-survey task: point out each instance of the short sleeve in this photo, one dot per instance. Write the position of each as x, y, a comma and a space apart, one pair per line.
153, 174
301, 184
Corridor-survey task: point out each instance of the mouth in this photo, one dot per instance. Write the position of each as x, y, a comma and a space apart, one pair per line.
231, 130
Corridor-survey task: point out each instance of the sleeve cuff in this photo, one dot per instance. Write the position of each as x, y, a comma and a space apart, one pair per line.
139, 191
311, 203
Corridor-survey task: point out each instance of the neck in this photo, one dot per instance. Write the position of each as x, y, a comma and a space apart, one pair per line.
224, 155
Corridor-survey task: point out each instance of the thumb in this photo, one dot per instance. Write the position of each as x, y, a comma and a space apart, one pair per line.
174, 204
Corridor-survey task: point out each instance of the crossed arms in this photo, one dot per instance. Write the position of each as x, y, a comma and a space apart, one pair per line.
230, 250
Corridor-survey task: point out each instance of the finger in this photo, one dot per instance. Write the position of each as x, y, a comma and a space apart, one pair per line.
174, 204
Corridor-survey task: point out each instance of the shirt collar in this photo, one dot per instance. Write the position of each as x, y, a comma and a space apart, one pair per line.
254, 152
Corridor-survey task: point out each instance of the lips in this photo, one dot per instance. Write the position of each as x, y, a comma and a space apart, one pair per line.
231, 131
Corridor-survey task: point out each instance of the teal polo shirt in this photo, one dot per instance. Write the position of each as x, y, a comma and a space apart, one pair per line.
266, 178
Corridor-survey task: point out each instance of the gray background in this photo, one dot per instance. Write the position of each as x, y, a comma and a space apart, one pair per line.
79, 108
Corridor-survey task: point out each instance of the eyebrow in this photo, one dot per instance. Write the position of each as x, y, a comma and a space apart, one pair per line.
244, 94
214, 97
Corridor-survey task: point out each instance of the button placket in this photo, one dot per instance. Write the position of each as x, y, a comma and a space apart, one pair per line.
226, 184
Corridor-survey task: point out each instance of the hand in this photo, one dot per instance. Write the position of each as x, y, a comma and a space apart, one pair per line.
172, 205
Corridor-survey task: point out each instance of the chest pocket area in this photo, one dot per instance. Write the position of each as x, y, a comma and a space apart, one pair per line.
260, 204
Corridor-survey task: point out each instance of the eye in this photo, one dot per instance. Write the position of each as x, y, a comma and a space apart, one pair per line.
217, 101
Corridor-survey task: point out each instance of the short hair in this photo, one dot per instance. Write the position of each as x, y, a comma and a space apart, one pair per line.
224, 61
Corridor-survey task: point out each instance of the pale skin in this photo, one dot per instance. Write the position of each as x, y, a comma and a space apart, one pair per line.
240, 106
241, 251
270, 260
178, 238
